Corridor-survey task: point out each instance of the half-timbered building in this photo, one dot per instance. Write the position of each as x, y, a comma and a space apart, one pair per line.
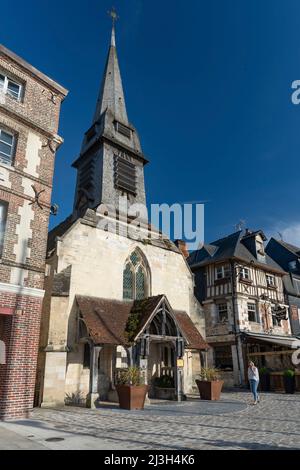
241, 290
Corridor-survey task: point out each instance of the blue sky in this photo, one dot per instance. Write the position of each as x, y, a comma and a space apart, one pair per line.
208, 86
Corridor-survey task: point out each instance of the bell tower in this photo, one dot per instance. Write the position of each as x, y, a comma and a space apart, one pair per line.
111, 162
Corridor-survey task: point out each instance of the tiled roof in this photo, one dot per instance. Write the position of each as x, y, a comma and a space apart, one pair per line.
190, 332
106, 320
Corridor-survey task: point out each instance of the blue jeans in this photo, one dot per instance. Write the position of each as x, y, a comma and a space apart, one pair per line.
253, 388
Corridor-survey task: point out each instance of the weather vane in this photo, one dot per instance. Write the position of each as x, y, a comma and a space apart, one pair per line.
113, 14
240, 225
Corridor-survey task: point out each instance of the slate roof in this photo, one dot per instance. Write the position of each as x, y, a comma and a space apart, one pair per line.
230, 247
294, 249
106, 320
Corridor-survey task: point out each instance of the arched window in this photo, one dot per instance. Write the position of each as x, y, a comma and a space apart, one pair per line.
128, 276
135, 277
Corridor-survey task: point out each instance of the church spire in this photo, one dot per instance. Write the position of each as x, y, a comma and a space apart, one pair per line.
113, 37
111, 161
111, 95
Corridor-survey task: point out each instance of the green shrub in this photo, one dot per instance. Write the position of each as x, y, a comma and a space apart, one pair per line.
264, 371
130, 376
289, 373
209, 374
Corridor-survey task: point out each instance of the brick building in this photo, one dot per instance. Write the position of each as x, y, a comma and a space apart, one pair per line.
29, 116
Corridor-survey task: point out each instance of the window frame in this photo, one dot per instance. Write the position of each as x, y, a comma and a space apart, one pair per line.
220, 310
254, 311
243, 275
5, 159
224, 270
135, 265
221, 352
3, 204
273, 283
6, 90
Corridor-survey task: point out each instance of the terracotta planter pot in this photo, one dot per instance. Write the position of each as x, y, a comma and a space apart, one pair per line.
210, 390
132, 397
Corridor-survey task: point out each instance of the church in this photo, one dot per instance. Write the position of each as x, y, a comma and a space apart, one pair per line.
118, 293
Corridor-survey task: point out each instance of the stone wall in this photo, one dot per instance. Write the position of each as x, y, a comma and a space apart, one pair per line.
97, 258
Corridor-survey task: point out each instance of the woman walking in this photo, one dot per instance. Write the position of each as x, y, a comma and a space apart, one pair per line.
253, 377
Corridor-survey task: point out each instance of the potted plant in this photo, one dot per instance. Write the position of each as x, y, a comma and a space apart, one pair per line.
209, 385
131, 389
164, 387
264, 379
289, 380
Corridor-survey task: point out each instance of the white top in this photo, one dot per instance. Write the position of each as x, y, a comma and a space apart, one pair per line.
253, 373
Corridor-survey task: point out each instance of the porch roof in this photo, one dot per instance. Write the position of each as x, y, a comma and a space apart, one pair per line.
280, 340
106, 320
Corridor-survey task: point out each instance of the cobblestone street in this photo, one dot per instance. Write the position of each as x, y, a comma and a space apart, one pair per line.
232, 423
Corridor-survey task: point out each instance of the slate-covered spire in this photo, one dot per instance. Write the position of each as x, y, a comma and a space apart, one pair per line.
111, 92
111, 161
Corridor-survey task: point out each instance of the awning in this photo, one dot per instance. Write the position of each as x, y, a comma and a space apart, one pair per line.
289, 341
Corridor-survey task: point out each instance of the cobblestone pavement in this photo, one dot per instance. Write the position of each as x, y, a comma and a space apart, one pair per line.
232, 423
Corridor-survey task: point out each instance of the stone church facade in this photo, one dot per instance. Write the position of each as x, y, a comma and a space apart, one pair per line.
117, 293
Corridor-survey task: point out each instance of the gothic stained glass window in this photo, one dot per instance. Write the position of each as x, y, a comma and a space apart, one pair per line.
140, 284
128, 282
134, 258
135, 277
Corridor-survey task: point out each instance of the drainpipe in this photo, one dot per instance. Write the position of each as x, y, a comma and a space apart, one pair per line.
234, 297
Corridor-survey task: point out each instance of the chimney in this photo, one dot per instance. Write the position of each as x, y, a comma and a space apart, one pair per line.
181, 244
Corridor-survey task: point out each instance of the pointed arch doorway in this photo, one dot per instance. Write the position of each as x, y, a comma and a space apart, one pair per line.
159, 349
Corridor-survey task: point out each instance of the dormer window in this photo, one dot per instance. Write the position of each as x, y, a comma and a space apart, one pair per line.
260, 248
124, 130
10, 87
293, 265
